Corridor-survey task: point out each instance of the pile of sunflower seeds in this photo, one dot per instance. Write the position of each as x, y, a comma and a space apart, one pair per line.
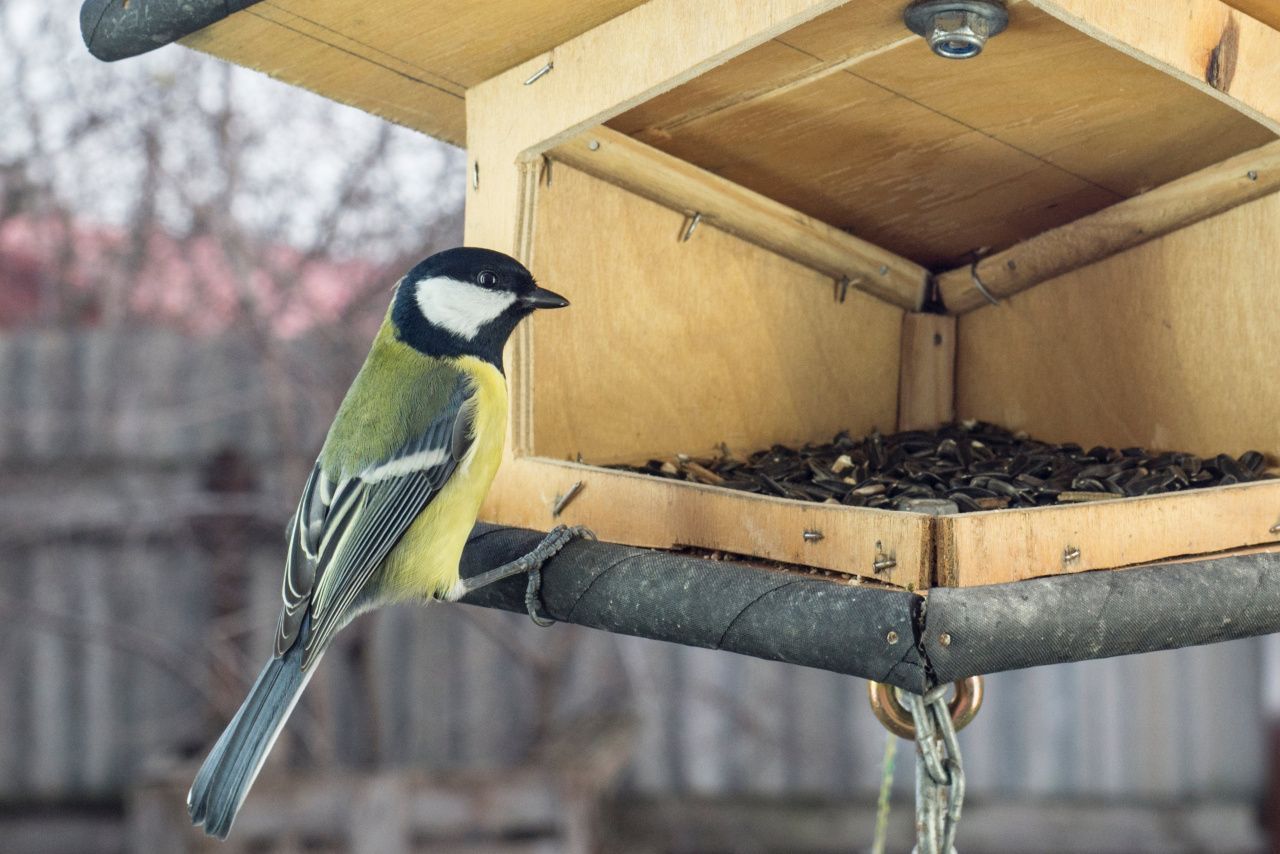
973, 465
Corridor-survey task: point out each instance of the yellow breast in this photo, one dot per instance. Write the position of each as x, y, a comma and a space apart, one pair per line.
425, 561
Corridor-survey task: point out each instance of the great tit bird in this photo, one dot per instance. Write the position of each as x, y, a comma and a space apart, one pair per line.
391, 500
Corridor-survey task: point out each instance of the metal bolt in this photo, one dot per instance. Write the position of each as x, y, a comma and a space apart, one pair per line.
594, 145
945, 639
812, 536
956, 29
1070, 554
892, 637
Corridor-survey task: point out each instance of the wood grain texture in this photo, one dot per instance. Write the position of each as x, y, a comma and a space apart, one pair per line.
648, 172
1129, 223
827, 44
294, 50
1266, 11
1076, 126
927, 382
1171, 345
674, 346
626, 61
1011, 545
646, 511
1205, 43
1073, 102
407, 61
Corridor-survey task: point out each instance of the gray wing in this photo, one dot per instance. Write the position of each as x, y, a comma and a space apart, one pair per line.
343, 530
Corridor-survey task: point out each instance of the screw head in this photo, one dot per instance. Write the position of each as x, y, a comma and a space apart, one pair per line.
945, 639
892, 637
594, 145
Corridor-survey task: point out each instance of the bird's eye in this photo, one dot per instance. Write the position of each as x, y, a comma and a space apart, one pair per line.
487, 279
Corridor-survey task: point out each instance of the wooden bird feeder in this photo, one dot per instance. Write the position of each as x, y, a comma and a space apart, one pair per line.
699, 177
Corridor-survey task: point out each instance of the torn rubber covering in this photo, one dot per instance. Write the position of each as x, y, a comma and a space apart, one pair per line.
118, 29
782, 616
1100, 614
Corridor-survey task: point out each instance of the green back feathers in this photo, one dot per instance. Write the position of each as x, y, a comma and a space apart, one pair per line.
393, 399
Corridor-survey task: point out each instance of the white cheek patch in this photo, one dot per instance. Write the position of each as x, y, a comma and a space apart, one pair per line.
460, 307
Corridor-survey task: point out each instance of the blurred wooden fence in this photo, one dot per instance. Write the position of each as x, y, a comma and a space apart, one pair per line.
111, 613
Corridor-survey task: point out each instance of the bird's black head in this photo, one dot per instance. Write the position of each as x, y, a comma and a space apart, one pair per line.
466, 302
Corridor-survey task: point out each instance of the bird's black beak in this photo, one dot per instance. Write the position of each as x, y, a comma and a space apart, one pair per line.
543, 298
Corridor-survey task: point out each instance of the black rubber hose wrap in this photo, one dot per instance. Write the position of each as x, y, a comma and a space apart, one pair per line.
887, 635
118, 29
782, 616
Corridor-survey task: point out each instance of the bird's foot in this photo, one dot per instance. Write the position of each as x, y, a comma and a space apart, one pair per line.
531, 565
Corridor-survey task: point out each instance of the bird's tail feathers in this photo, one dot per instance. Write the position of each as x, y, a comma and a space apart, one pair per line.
233, 764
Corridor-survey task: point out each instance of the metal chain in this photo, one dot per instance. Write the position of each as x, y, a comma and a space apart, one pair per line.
939, 772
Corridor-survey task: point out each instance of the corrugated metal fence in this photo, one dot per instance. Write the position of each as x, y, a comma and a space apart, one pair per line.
109, 604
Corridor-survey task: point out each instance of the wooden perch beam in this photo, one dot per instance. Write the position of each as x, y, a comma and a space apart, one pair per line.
1170, 207
648, 172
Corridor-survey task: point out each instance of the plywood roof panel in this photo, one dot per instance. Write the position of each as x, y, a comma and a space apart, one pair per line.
1266, 11
1051, 91
889, 170
405, 60
847, 118
931, 158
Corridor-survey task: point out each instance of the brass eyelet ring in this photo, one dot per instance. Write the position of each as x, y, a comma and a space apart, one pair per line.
889, 710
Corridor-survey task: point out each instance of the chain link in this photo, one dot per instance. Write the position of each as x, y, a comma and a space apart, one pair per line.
939, 772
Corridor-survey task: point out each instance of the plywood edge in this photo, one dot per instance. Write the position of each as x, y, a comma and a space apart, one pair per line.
1169, 207
623, 62
1206, 43
294, 50
641, 169
645, 511
927, 371
1013, 545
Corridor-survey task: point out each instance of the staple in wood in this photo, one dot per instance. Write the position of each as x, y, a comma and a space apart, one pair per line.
974, 465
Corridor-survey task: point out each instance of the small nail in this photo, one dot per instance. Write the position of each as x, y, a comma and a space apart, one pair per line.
540, 73
562, 501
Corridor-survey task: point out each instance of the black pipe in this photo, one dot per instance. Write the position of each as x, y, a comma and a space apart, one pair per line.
118, 29
782, 616
887, 635
1101, 614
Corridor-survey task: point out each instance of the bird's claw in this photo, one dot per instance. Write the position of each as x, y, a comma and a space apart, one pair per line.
555, 540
